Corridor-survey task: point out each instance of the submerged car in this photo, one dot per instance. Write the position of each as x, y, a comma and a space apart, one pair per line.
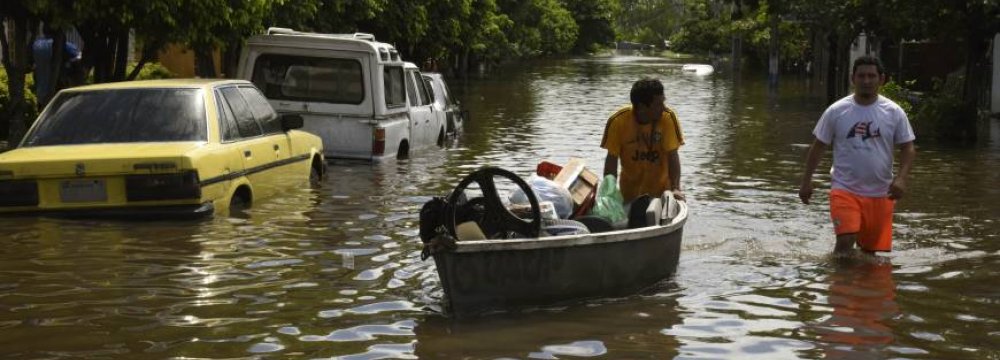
189, 147
445, 103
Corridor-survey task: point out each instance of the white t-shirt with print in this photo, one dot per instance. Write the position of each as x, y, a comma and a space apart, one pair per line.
863, 138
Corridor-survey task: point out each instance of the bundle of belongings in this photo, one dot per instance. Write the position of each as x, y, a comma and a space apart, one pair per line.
571, 199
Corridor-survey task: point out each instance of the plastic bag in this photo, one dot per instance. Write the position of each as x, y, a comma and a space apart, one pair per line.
608, 203
546, 190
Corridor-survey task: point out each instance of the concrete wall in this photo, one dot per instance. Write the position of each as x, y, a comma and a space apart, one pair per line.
180, 60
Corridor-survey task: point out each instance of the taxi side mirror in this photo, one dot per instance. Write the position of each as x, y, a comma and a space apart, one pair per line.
291, 121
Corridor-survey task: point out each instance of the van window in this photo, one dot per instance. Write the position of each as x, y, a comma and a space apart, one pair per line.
303, 78
425, 99
395, 94
430, 89
411, 91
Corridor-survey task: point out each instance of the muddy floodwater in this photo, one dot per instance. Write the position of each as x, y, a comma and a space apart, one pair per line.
336, 272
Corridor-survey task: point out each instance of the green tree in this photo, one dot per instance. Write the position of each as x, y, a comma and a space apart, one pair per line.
649, 22
970, 23
16, 45
542, 27
595, 21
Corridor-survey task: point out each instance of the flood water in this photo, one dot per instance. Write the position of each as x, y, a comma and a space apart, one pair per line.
336, 271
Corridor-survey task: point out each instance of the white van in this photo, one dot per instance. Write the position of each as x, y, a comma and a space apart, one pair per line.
352, 91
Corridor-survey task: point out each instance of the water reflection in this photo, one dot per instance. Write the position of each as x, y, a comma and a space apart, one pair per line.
862, 294
621, 328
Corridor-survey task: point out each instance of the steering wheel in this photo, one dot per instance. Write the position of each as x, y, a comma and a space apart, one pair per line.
496, 221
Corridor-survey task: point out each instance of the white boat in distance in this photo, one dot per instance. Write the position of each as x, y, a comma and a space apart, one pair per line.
698, 69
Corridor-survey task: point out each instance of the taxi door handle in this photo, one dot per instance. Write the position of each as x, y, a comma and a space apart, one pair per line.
247, 153
276, 147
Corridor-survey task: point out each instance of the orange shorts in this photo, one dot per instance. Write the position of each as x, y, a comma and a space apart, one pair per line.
869, 217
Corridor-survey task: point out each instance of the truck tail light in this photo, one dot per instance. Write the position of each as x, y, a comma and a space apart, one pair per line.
378, 141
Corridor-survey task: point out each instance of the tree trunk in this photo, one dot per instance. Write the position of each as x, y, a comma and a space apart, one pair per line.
830, 63
231, 59
976, 49
204, 63
840, 60
97, 57
464, 64
773, 54
120, 42
819, 64
737, 48
138, 67
15, 61
55, 66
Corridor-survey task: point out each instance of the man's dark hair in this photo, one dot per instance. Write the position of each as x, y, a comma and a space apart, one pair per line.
644, 90
868, 60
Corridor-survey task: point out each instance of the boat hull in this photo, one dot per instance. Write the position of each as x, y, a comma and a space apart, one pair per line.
481, 276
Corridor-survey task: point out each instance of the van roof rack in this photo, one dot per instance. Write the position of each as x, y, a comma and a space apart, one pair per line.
287, 31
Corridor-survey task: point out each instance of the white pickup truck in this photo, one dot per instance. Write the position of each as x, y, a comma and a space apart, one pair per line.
352, 91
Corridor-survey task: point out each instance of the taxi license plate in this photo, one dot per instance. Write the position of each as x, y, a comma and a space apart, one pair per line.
83, 191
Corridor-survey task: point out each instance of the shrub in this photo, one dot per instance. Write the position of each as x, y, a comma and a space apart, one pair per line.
152, 71
939, 111
900, 94
31, 103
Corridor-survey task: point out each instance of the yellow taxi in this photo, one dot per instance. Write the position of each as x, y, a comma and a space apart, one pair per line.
185, 147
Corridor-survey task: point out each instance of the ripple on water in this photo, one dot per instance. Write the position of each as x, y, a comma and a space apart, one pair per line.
273, 263
365, 332
577, 348
378, 238
265, 347
385, 351
370, 274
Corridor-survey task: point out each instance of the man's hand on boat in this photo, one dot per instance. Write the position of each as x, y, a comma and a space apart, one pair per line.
678, 194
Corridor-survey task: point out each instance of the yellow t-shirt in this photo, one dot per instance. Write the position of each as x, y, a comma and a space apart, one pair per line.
642, 150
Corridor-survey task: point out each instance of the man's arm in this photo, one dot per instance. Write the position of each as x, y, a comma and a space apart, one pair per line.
812, 161
906, 155
611, 165
674, 169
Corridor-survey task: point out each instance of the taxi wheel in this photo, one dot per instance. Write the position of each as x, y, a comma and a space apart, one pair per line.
315, 178
239, 204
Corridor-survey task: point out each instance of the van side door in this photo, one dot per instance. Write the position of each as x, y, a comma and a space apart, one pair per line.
438, 107
420, 109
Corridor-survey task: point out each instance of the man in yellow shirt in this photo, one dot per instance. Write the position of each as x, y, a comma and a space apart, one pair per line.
645, 137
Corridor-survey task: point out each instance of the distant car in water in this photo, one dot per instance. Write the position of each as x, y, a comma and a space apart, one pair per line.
445, 102
163, 147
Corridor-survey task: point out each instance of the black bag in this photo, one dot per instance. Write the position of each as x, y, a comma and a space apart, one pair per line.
432, 218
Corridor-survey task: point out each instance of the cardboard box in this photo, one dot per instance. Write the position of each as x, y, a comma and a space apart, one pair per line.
582, 185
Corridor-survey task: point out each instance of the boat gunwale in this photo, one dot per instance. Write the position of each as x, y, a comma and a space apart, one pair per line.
677, 223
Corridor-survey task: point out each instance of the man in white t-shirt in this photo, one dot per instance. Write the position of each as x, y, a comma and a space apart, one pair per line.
863, 128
